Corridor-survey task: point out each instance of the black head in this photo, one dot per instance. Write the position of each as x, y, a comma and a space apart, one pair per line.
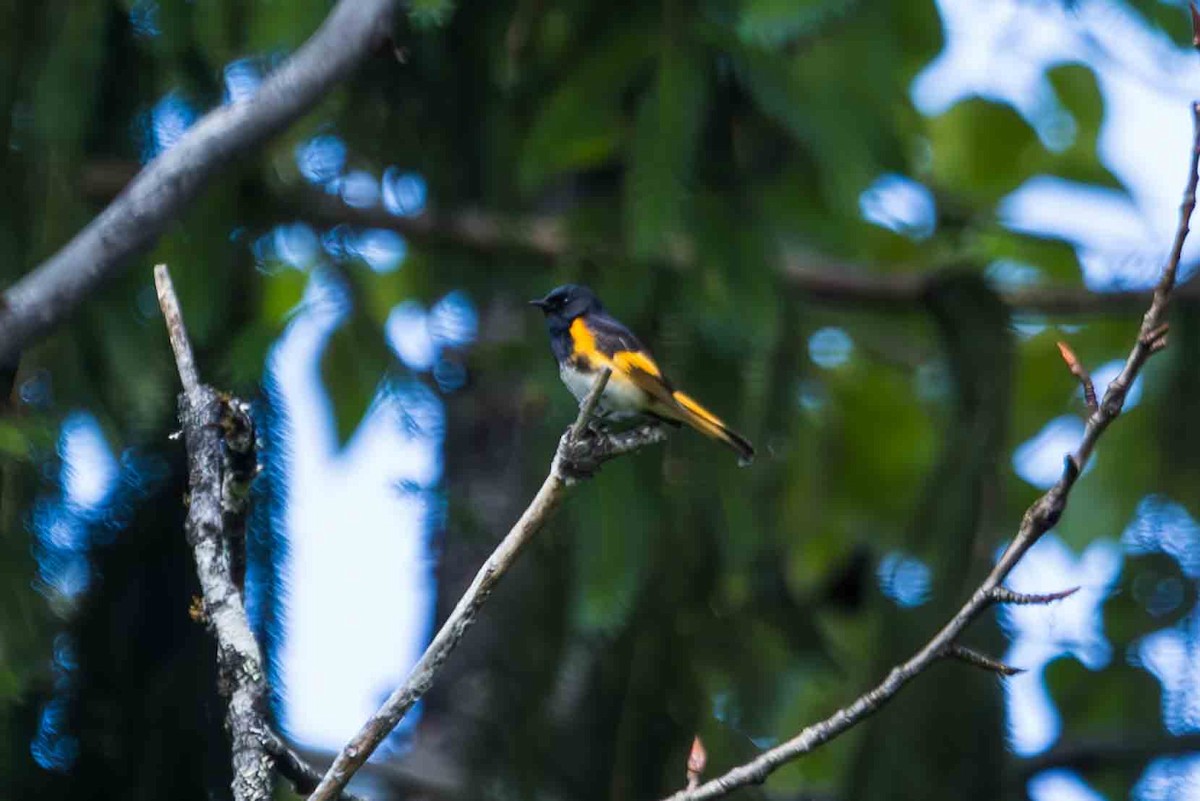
567, 302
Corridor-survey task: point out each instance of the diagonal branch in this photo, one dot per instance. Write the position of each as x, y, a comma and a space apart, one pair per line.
133, 221
1038, 519
580, 452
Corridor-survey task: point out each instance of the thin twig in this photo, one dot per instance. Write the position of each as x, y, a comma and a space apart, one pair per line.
1079, 371
176, 330
131, 223
976, 659
574, 458
1003, 595
1038, 519
589, 405
242, 679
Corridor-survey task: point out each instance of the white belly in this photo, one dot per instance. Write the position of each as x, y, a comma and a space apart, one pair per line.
620, 395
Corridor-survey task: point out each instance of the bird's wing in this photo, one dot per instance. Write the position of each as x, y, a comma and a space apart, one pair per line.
628, 357
612, 337
604, 342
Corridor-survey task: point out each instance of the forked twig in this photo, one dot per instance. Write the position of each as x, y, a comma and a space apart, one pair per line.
1079, 371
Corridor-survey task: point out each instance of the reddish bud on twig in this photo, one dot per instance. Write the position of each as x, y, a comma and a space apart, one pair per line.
964, 654
697, 759
1195, 25
196, 610
1077, 369
1003, 595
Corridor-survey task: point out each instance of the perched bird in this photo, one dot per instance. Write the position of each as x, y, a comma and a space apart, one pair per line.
586, 339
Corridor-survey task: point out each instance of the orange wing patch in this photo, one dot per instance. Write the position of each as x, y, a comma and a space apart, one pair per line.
623, 361
630, 360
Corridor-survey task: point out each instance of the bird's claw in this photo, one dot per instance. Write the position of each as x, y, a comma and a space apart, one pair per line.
577, 456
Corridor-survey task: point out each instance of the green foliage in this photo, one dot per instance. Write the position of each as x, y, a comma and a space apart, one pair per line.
684, 149
353, 367
775, 23
431, 13
579, 125
664, 142
982, 149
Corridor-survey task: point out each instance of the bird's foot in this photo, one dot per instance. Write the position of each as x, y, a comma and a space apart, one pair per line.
578, 457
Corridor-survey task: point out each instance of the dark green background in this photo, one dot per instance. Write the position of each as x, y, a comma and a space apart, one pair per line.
731, 132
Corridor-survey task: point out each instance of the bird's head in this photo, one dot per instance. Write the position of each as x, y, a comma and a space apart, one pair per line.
563, 304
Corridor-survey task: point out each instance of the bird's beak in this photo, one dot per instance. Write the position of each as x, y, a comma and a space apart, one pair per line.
539, 302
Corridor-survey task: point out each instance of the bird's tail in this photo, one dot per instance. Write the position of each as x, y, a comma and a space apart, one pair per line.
709, 424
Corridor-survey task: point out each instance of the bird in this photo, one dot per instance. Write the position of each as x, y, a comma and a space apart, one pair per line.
586, 339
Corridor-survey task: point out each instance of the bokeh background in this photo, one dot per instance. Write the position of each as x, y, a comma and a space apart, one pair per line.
707, 167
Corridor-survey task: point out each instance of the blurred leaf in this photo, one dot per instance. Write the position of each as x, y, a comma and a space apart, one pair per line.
1053, 259
580, 124
353, 366
22, 436
272, 26
241, 370
982, 149
281, 295
766, 76
664, 146
1078, 91
12, 441
776, 22
430, 13
612, 560
1151, 594
216, 30
1119, 698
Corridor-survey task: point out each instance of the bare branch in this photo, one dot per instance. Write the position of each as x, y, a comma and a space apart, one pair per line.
293, 767
546, 237
176, 330
815, 277
976, 659
577, 456
1003, 595
589, 405
1038, 519
1100, 753
1079, 371
132, 222
242, 679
